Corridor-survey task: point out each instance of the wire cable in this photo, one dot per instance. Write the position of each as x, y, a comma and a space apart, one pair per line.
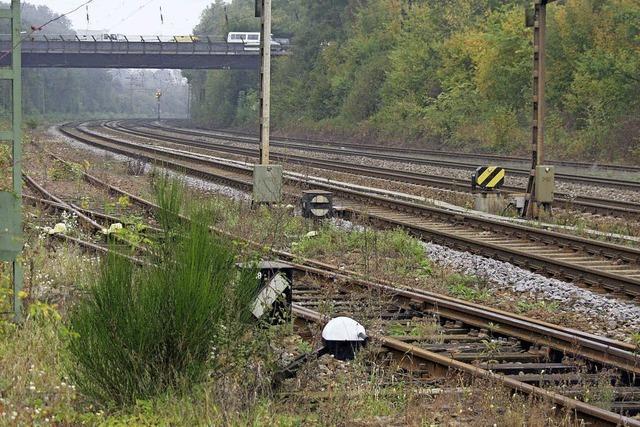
133, 13
35, 28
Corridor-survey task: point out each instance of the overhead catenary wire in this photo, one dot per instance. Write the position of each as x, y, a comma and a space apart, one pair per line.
125, 19
35, 28
85, 4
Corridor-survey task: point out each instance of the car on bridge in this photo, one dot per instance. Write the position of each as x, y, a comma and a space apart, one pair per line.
186, 39
97, 35
251, 41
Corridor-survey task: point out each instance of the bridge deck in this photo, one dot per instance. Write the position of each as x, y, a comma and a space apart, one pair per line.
136, 54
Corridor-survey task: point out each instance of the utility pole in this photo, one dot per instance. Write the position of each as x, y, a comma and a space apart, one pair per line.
267, 178
265, 85
536, 192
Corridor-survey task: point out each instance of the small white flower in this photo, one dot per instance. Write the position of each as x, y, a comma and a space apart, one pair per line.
59, 228
112, 229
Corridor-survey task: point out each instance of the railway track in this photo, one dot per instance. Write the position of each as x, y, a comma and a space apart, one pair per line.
614, 268
577, 203
359, 150
427, 341
587, 166
427, 335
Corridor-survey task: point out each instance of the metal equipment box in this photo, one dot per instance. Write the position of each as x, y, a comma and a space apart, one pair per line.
267, 184
545, 184
274, 298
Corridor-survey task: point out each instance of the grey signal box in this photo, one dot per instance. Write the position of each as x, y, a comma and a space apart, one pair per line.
545, 184
275, 292
267, 184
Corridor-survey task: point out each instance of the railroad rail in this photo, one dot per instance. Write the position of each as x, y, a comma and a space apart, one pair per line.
181, 124
579, 203
604, 265
552, 363
392, 155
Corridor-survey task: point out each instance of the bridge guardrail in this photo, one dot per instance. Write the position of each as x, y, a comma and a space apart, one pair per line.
154, 45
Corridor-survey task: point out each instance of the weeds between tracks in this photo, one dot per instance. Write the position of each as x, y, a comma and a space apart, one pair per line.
365, 392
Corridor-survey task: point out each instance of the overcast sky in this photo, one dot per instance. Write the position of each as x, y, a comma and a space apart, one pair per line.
132, 17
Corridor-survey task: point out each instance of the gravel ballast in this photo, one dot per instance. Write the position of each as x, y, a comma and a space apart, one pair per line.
622, 318
191, 181
612, 317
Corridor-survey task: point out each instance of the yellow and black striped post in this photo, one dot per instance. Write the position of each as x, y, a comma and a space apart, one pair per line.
489, 178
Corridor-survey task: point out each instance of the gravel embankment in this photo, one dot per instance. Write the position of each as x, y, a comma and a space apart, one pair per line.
621, 318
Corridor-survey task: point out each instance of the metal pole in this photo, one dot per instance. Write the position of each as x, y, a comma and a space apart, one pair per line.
158, 97
542, 46
16, 64
16, 60
265, 85
537, 129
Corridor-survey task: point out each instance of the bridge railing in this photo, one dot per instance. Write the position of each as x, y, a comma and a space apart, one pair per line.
187, 45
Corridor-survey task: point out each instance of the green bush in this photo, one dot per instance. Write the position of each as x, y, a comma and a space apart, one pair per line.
141, 330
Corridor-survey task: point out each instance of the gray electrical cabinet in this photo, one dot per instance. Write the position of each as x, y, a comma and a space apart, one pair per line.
545, 184
267, 184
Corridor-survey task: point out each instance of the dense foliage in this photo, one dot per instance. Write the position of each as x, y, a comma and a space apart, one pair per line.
74, 92
453, 73
223, 98
142, 330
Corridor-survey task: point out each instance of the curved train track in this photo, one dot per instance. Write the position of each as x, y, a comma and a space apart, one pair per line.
579, 203
586, 166
551, 363
387, 154
604, 265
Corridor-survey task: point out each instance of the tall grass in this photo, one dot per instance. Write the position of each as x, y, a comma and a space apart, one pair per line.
143, 330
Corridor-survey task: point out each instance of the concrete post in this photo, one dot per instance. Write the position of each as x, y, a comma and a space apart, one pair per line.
265, 85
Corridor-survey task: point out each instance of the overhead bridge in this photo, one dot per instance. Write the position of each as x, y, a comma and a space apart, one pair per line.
199, 54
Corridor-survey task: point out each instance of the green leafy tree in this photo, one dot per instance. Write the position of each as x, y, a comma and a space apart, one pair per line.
452, 73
